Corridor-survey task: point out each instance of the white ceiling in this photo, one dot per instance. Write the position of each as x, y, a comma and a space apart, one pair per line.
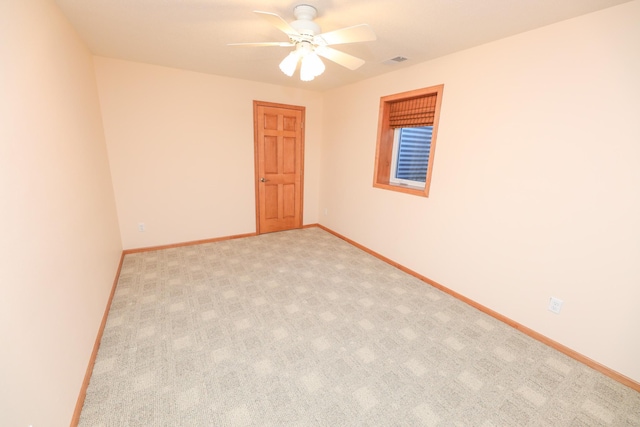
193, 34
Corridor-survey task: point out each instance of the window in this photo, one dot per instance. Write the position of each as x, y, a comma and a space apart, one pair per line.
411, 149
407, 128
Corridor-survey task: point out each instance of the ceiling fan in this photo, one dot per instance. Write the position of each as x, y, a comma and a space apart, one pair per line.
310, 43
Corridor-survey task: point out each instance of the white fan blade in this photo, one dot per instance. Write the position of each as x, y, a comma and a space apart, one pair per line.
281, 44
279, 23
344, 59
355, 34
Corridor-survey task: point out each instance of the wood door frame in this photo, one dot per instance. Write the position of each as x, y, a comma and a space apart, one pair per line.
256, 176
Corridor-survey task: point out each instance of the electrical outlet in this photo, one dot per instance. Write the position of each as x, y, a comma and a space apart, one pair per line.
141, 227
326, 211
555, 305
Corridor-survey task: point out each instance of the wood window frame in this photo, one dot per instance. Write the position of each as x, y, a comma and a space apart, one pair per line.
384, 144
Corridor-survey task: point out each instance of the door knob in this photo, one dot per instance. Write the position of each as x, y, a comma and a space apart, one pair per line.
263, 180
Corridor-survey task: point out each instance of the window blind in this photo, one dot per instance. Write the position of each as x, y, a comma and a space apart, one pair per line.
414, 112
413, 153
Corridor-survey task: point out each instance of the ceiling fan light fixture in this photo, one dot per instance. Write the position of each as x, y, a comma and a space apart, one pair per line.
312, 66
290, 63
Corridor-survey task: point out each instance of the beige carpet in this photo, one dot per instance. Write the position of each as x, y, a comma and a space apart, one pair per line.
300, 328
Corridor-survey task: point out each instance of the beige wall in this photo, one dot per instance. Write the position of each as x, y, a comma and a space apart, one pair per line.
181, 150
536, 183
60, 245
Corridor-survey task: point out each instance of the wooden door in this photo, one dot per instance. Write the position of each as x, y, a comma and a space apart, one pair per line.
279, 160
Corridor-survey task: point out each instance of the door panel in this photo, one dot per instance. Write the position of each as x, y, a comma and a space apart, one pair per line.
289, 208
279, 159
270, 154
271, 202
289, 156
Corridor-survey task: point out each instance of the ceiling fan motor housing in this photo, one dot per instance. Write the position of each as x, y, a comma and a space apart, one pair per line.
305, 14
